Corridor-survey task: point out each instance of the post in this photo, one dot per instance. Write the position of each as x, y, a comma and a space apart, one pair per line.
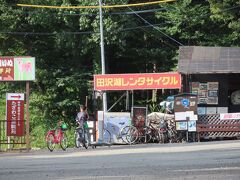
127, 101
102, 53
132, 98
86, 101
27, 116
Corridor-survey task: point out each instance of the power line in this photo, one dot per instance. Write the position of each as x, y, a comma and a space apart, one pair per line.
138, 12
92, 32
223, 10
155, 27
95, 7
74, 33
47, 33
140, 27
93, 14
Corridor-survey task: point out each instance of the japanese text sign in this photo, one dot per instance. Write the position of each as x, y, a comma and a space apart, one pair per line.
17, 68
137, 81
185, 107
15, 114
229, 116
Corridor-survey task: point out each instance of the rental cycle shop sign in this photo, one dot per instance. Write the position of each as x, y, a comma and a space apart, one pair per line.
137, 81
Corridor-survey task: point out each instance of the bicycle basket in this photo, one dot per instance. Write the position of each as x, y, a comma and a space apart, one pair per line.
64, 126
85, 125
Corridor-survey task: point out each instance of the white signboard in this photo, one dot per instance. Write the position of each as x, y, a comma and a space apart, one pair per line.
15, 96
222, 110
228, 116
114, 122
181, 125
188, 115
192, 126
211, 110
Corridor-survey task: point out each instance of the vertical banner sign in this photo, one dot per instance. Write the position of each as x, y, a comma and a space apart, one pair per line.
15, 114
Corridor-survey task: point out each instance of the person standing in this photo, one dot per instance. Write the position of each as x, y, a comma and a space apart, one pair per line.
82, 118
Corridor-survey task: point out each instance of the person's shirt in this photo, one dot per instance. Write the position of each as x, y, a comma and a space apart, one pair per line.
82, 117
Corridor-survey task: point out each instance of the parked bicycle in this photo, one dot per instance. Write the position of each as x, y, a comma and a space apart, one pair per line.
163, 131
106, 136
155, 133
137, 134
57, 136
174, 135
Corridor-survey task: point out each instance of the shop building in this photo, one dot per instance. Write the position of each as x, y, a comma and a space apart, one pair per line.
213, 73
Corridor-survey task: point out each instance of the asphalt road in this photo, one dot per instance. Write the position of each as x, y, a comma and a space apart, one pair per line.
208, 160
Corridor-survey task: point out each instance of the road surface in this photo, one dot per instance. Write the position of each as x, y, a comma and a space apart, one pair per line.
205, 160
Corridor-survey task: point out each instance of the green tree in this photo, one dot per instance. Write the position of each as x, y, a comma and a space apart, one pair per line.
226, 13
201, 22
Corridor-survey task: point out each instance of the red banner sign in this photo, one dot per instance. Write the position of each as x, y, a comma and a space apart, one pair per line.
15, 114
137, 81
6, 69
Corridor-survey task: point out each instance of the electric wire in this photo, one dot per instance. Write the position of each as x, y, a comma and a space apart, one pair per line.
75, 33
95, 7
154, 27
125, 29
223, 10
92, 14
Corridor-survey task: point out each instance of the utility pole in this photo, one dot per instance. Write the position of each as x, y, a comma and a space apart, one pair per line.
104, 95
102, 54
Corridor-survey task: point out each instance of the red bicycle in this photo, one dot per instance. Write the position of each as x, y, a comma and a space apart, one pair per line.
57, 136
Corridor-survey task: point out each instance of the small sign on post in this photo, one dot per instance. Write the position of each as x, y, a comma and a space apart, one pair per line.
15, 114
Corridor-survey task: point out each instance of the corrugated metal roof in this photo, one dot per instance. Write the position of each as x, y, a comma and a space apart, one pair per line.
199, 59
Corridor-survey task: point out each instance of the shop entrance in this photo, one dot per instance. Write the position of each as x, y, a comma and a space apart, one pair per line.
131, 83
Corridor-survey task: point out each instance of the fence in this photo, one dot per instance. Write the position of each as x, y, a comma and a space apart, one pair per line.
215, 120
10, 142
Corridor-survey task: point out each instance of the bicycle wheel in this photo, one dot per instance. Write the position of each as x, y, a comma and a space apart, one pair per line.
155, 135
162, 137
77, 139
147, 134
123, 134
50, 142
85, 140
131, 134
64, 142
